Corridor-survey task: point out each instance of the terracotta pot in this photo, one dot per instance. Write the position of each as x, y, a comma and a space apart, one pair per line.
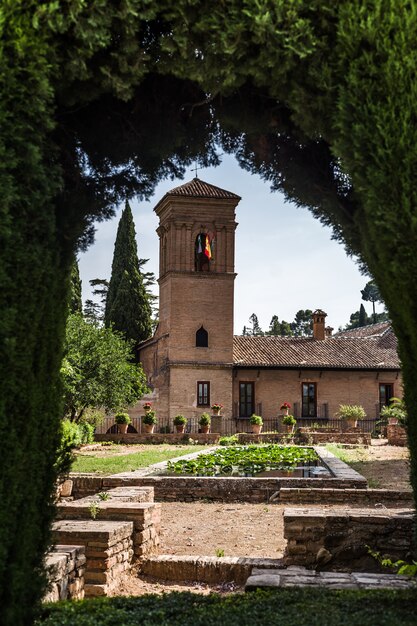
285, 411
122, 428
216, 411
148, 428
351, 423
205, 429
393, 421
289, 428
180, 428
256, 429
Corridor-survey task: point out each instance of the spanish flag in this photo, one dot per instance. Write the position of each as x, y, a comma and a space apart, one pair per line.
207, 249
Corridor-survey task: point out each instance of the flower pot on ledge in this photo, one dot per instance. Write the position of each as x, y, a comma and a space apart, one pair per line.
180, 428
205, 429
122, 428
256, 429
148, 428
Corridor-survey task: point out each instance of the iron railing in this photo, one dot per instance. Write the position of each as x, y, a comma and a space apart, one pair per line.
232, 425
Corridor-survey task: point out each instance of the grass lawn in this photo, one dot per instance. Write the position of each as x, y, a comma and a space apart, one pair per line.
117, 458
285, 607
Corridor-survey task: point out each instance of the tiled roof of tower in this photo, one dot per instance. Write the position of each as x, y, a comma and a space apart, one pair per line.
197, 188
306, 352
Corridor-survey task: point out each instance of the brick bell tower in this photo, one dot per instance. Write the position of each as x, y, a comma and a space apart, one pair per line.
189, 360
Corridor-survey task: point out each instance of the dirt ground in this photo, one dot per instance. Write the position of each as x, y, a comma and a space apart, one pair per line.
384, 466
243, 529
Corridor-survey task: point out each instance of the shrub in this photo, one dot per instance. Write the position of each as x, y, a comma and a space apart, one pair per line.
289, 420
204, 420
351, 411
180, 420
233, 440
396, 410
70, 439
149, 418
86, 432
122, 418
256, 419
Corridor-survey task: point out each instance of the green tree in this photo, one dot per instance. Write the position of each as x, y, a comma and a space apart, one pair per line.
97, 371
302, 326
371, 294
76, 303
274, 326
256, 330
297, 90
127, 304
286, 329
363, 319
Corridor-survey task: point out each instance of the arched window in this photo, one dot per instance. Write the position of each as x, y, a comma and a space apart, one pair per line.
201, 338
202, 249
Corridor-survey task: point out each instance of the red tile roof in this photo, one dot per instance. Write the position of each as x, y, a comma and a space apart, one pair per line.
372, 330
197, 188
305, 352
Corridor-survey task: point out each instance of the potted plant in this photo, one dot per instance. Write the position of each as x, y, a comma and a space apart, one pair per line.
351, 413
179, 423
216, 407
122, 420
285, 407
204, 423
289, 422
256, 422
147, 406
395, 413
149, 420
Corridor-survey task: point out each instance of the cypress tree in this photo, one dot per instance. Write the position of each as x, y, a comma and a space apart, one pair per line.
75, 304
127, 306
363, 318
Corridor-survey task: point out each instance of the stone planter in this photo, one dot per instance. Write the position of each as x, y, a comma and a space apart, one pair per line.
256, 429
122, 428
180, 428
350, 423
216, 411
205, 429
148, 428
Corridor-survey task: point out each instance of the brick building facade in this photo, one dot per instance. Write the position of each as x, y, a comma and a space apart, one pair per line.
194, 360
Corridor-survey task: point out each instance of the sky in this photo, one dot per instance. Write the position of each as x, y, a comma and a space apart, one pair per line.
285, 259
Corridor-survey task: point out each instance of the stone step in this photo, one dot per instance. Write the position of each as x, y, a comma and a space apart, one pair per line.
207, 569
301, 577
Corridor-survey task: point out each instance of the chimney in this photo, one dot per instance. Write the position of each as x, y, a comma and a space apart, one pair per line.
328, 331
319, 318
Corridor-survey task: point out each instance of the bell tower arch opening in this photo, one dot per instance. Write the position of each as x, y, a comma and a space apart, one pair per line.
202, 252
201, 338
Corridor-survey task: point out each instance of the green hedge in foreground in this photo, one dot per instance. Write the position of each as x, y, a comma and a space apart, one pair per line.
289, 607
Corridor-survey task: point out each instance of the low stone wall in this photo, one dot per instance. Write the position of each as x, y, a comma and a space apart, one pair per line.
84, 485
355, 497
338, 539
306, 436
108, 550
207, 569
248, 438
65, 567
158, 438
228, 489
397, 435
145, 516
